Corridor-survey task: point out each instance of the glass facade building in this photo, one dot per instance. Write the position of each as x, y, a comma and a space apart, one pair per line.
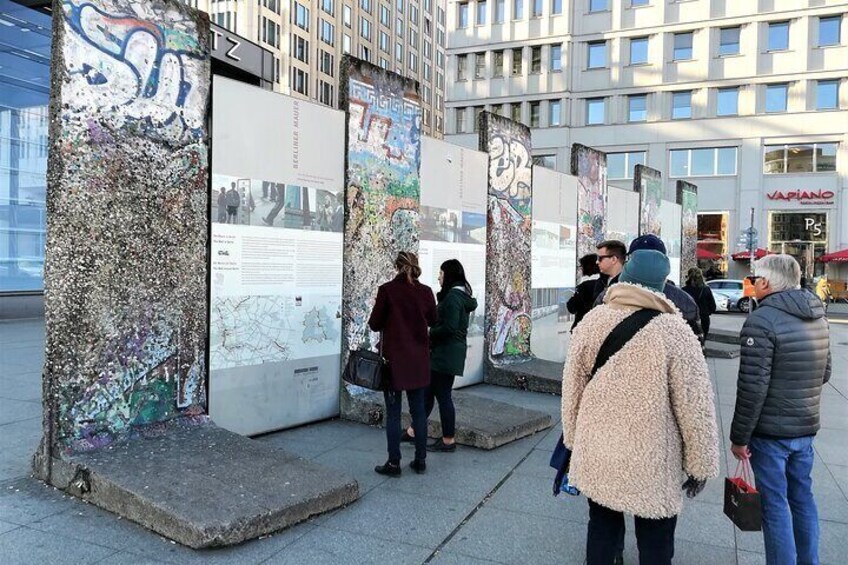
24, 93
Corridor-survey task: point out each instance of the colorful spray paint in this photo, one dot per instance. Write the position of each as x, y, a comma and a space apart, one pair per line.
381, 187
687, 197
125, 269
508, 300
648, 182
590, 167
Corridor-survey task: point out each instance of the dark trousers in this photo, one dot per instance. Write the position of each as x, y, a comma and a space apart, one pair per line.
440, 389
705, 325
655, 538
394, 403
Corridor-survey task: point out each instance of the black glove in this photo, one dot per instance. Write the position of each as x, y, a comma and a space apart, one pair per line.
693, 486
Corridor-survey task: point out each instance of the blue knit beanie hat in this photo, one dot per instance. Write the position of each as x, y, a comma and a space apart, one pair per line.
647, 241
647, 268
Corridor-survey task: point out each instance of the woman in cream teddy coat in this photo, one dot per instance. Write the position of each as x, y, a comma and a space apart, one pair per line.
643, 423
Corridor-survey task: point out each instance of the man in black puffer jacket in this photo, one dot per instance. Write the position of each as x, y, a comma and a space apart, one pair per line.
785, 362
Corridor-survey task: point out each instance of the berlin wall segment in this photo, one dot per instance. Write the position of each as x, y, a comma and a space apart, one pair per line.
508, 322
687, 197
590, 167
648, 182
382, 200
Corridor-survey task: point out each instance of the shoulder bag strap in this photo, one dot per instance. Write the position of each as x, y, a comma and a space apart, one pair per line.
620, 335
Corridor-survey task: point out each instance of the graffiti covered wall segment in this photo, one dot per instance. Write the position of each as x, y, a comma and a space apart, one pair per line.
648, 182
382, 186
687, 197
508, 299
125, 272
590, 167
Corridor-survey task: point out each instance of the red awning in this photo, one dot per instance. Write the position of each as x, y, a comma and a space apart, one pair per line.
836, 257
706, 255
744, 255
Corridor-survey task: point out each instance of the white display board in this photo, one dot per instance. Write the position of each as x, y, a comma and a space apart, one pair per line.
276, 259
671, 218
453, 226
623, 215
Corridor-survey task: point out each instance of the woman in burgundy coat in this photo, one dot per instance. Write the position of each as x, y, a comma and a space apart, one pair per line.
403, 312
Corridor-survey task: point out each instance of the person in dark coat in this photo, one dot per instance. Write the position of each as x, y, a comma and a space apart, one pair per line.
584, 295
784, 364
448, 348
702, 295
403, 312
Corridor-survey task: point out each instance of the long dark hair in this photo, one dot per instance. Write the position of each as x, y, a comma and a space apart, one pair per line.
589, 265
454, 275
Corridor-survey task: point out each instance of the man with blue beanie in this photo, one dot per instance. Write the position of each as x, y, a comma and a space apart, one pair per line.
687, 306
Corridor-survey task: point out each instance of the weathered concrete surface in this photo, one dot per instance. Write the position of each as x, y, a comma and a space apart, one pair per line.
721, 350
201, 485
724, 336
536, 375
480, 422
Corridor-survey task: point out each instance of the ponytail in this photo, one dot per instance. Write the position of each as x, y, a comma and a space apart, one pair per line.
407, 264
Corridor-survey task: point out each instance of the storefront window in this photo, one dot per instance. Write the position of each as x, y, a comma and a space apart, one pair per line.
800, 158
802, 235
712, 244
25, 79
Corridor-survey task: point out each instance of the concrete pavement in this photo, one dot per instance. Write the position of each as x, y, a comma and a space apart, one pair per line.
472, 506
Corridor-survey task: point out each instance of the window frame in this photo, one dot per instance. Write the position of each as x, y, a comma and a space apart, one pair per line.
592, 10
719, 92
770, 27
589, 104
629, 164
555, 68
630, 99
480, 11
674, 107
558, 113
815, 165
721, 44
647, 41
675, 48
838, 19
819, 84
462, 16
769, 87
715, 161
589, 49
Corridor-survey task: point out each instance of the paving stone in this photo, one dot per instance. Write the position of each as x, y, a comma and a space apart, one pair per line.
25, 500
26, 546
359, 464
832, 543
331, 547
832, 446
685, 553
7, 527
527, 494
705, 524
450, 477
18, 410
450, 558
840, 474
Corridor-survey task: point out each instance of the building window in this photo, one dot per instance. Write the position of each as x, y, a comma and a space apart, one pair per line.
622, 165
776, 96
827, 95
598, 5
535, 114
683, 46
366, 5
384, 41
399, 27
537, 8
301, 16
829, 31
427, 72
556, 7
595, 111
300, 81
555, 113
476, 125
778, 36
727, 102
326, 63
399, 52
728, 41
364, 28
517, 9
479, 65
300, 49
637, 3
347, 15
327, 6
556, 57
498, 64
384, 63
800, 158
461, 67
413, 62
535, 60
385, 16
481, 12
546, 161
638, 50
703, 162
460, 120
463, 14
516, 62
500, 11
328, 33
365, 53
428, 49
399, 4
325, 93
346, 43
681, 107
597, 54
637, 108
516, 112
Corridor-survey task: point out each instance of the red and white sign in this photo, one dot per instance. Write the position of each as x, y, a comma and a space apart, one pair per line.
806, 197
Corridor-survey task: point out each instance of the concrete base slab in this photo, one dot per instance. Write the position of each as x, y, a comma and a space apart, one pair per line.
480, 422
200, 485
721, 350
536, 375
724, 336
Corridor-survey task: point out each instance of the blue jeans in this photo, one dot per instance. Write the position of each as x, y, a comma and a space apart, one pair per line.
782, 469
441, 385
417, 399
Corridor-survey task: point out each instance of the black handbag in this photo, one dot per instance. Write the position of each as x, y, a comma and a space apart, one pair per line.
367, 369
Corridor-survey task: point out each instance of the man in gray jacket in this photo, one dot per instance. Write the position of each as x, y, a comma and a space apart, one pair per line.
785, 362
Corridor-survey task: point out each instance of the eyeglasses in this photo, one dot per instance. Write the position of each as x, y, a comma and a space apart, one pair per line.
753, 278
602, 257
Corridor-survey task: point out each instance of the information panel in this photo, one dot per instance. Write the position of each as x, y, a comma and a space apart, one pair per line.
623, 218
276, 273
554, 260
671, 217
453, 226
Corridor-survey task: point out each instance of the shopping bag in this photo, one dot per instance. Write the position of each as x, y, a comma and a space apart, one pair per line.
741, 499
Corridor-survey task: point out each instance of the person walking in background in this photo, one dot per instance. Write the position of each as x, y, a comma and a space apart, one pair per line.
222, 206
785, 362
702, 295
638, 417
233, 201
448, 348
584, 295
403, 312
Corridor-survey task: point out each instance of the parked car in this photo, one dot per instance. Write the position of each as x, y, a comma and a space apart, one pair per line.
722, 301
735, 292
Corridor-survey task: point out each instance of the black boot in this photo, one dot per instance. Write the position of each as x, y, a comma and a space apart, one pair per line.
390, 469
440, 445
419, 467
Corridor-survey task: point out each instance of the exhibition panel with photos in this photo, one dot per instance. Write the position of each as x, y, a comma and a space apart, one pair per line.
277, 214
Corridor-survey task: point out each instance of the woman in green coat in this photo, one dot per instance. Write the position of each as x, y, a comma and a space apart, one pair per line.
448, 346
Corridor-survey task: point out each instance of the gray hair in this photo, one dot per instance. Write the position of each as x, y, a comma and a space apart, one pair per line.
781, 271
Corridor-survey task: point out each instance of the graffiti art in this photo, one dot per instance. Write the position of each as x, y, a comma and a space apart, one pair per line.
125, 270
382, 186
687, 197
590, 167
648, 182
508, 297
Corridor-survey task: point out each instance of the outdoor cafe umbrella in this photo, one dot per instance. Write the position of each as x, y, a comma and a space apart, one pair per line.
759, 253
835, 257
706, 255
